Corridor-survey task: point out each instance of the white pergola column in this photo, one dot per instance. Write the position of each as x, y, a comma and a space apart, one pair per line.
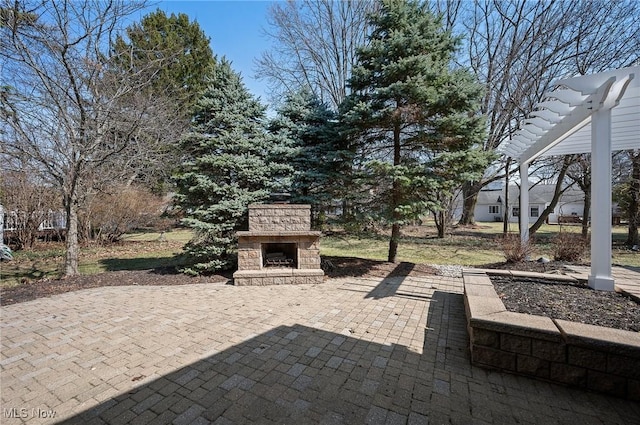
524, 202
600, 277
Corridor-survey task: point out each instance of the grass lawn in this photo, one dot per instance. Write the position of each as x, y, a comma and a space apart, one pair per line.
139, 251
459, 249
469, 246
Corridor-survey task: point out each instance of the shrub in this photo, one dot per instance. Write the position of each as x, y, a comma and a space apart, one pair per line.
569, 247
120, 209
513, 249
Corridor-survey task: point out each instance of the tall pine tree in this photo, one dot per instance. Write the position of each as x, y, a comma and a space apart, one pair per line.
182, 48
229, 164
412, 113
173, 56
317, 155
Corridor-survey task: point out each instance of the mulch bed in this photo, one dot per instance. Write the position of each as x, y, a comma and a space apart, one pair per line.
575, 302
48, 287
337, 267
530, 266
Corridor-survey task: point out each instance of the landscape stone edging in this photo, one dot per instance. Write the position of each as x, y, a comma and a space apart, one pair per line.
575, 354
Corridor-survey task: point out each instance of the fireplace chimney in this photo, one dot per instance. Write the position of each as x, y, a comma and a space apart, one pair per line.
279, 197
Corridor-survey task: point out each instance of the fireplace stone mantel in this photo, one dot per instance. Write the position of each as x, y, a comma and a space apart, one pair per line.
276, 234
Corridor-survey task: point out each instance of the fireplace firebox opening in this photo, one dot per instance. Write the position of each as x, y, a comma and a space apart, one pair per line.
280, 255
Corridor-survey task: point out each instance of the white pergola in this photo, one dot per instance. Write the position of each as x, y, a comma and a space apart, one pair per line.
597, 113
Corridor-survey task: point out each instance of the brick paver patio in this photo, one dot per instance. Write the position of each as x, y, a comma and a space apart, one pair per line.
350, 351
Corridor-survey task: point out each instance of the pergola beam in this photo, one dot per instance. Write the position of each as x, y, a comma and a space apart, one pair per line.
579, 116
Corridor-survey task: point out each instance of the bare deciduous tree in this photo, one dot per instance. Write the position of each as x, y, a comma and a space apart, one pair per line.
517, 48
580, 173
626, 191
561, 166
633, 210
68, 105
118, 209
314, 46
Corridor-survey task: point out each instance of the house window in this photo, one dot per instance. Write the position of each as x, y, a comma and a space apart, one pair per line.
494, 209
515, 211
535, 212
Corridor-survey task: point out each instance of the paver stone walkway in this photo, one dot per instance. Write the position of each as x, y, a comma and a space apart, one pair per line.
349, 351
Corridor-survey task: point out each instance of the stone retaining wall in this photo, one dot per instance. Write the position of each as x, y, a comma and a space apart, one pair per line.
593, 357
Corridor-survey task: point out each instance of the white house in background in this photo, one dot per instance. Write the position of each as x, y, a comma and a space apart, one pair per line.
491, 204
52, 223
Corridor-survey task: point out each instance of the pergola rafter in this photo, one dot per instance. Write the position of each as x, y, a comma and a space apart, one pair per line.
597, 113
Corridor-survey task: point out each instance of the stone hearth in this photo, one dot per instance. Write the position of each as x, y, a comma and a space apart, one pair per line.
279, 247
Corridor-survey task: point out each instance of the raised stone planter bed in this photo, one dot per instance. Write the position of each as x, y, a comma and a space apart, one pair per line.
593, 357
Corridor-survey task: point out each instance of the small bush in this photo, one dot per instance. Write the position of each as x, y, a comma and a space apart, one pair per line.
513, 249
120, 209
569, 247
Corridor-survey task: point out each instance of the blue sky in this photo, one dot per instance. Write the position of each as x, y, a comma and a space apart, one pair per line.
235, 29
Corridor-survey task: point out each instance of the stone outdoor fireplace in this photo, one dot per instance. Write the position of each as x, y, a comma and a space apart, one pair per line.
279, 247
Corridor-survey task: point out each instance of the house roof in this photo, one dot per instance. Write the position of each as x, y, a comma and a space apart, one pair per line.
538, 194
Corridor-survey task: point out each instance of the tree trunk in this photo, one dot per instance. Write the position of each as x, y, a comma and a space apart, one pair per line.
634, 204
395, 199
557, 193
73, 249
505, 213
586, 212
393, 242
470, 192
441, 223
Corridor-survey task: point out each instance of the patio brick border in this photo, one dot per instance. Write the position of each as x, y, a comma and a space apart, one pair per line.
574, 354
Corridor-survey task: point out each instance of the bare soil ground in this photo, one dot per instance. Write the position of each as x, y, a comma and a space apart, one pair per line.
574, 302
552, 267
48, 287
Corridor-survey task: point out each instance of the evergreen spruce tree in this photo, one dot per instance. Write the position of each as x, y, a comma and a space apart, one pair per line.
182, 48
414, 115
172, 55
316, 154
229, 164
